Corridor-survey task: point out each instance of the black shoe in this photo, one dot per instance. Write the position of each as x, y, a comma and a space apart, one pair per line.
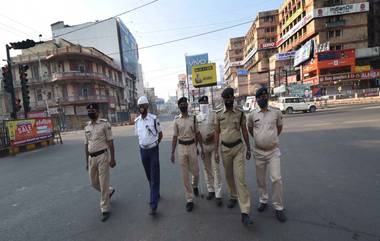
245, 219
189, 206
219, 202
280, 215
112, 192
153, 211
105, 216
196, 191
232, 203
262, 207
210, 195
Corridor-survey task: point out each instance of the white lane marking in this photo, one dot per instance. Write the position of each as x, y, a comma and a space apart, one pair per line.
371, 108
360, 121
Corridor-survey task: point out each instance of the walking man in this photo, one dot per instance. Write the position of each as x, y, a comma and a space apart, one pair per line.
98, 148
231, 128
186, 133
206, 122
265, 125
148, 130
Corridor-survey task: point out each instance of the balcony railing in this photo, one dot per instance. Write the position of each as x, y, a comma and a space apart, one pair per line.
77, 100
336, 24
80, 75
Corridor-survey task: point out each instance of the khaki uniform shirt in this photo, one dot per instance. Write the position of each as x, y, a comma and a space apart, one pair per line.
185, 127
230, 123
206, 123
264, 126
97, 135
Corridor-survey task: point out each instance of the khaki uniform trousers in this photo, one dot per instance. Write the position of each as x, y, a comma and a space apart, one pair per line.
272, 160
188, 158
100, 178
234, 167
211, 171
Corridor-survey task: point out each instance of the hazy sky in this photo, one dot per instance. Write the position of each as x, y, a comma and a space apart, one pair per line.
162, 21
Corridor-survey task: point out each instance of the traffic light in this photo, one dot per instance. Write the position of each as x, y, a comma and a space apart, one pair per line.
24, 87
25, 44
18, 104
8, 85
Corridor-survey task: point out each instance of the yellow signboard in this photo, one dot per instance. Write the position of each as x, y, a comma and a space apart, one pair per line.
293, 17
204, 75
364, 68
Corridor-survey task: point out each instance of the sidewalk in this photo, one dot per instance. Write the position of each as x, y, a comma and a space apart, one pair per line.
351, 101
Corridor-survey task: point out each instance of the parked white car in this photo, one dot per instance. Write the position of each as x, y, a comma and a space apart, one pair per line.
289, 105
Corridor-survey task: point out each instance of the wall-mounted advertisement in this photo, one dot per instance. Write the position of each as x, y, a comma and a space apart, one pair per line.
28, 131
285, 56
129, 50
204, 75
193, 60
242, 72
341, 9
268, 46
304, 53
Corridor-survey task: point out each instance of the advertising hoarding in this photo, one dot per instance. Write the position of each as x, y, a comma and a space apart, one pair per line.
341, 9
333, 59
129, 49
28, 131
193, 60
285, 56
293, 17
373, 74
204, 75
304, 53
305, 20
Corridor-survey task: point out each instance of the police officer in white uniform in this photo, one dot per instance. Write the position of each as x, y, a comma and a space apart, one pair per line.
148, 130
206, 123
99, 148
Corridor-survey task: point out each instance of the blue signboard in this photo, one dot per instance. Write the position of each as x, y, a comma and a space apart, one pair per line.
193, 60
242, 72
129, 49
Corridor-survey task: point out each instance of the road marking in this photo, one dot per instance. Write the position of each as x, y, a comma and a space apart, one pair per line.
371, 108
360, 121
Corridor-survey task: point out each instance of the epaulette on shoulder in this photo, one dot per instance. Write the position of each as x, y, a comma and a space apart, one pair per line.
275, 108
103, 120
177, 116
137, 118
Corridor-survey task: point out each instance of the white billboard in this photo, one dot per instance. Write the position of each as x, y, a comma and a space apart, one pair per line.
341, 9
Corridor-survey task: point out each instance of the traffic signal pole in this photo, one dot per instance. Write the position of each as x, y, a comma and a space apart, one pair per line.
13, 95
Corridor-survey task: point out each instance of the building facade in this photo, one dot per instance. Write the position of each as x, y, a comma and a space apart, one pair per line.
233, 58
63, 78
260, 44
113, 38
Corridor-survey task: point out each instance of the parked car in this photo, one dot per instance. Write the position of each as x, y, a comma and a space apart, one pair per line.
289, 105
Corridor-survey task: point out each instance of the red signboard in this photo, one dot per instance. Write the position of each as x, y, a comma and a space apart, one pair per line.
268, 46
312, 81
334, 59
373, 74
310, 66
27, 131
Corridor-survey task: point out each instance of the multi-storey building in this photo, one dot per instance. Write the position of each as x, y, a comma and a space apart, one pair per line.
114, 39
232, 63
64, 78
260, 44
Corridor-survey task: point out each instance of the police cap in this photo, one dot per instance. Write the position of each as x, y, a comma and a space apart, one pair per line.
261, 91
93, 106
203, 98
182, 100
228, 92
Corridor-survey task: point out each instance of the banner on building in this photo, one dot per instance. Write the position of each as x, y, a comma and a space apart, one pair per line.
373, 74
304, 53
242, 72
305, 20
249, 55
334, 59
341, 9
193, 60
295, 15
204, 75
285, 56
28, 131
268, 46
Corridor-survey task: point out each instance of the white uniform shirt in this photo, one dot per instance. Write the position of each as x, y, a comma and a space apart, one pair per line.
146, 131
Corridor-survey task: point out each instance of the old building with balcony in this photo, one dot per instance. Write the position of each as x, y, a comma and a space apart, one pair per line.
64, 78
260, 44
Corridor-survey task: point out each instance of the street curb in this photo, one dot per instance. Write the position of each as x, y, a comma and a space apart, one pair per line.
12, 151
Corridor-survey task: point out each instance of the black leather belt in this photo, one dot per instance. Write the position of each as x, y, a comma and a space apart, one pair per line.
233, 144
186, 143
98, 153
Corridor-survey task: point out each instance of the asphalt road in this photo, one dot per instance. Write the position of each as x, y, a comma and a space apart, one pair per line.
331, 173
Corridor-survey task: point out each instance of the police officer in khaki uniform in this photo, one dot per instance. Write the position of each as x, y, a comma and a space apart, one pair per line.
99, 148
265, 125
231, 127
206, 122
186, 132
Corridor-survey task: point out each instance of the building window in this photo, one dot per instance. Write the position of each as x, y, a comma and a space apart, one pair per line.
84, 91
39, 95
338, 47
330, 34
272, 29
49, 95
338, 33
82, 68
